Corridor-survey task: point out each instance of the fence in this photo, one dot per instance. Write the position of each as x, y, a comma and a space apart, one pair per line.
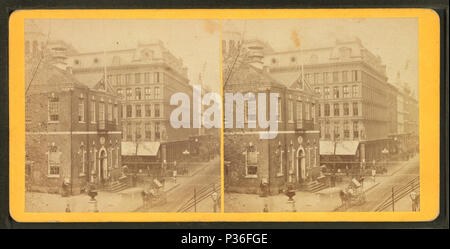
200, 195
398, 193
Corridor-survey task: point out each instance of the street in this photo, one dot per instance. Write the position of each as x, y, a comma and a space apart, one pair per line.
206, 176
376, 195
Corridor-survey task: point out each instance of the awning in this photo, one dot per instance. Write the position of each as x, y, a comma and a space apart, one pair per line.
140, 149
343, 148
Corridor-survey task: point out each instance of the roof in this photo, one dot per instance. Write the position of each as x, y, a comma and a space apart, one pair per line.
291, 80
95, 80
140, 148
247, 74
89, 79
51, 77
343, 148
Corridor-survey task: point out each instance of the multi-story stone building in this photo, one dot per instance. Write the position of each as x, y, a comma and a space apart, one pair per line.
145, 77
406, 137
293, 155
354, 110
72, 129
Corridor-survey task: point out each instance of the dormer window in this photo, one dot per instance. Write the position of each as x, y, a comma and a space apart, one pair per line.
345, 52
147, 54
116, 60
313, 58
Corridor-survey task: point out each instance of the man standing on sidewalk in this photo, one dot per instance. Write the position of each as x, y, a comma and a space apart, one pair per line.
414, 201
374, 173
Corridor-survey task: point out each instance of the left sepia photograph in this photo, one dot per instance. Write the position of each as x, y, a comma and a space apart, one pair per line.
121, 115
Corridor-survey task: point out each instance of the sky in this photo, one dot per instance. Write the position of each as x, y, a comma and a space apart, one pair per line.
395, 40
197, 42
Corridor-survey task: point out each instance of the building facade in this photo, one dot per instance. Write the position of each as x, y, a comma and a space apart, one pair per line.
355, 108
405, 140
145, 77
73, 132
292, 157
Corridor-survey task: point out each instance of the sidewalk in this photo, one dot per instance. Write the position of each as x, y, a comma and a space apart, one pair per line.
304, 202
106, 202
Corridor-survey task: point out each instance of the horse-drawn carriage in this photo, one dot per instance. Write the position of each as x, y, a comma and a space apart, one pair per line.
354, 194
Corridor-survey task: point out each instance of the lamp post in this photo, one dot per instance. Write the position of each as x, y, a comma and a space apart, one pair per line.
385, 152
186, 155
215, 199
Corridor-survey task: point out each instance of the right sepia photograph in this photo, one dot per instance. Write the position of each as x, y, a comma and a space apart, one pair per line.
320, 115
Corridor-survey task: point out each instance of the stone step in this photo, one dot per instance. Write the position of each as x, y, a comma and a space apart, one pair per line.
116, 187
313, 186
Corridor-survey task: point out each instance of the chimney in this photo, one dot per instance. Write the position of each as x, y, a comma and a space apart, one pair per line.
255, 53
58, 53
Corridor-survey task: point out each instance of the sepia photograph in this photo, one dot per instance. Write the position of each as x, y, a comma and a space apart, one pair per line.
321, 115
101, 133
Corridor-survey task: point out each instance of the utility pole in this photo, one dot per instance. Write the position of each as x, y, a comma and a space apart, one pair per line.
393, 200
195, 200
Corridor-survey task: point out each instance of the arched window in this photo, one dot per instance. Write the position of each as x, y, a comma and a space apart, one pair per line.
82, 154
54, 161
280, 153
138, 93
251, 161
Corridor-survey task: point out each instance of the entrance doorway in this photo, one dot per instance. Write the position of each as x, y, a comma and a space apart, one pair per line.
103, 167
301, 167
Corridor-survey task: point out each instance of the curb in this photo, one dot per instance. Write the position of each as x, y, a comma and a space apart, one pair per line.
172, 188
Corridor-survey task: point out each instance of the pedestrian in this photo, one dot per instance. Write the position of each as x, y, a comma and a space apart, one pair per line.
65, 187
414, 201
68, 208
266, 208
374, 173
343, 196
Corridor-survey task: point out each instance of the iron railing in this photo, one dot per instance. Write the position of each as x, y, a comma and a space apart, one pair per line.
398, 193
106, 125
303, 124
200, 195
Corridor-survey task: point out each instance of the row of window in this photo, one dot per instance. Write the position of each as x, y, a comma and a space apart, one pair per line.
338, 92
136, 78
147, 131
54, 159
333, 77
308, 155
304, 110
337, 109
149, 93
336, 126
105, 111
148, 110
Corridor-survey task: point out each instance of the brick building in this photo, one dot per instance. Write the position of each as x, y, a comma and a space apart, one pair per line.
72, 129
355, 110
145, 77
293, 155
